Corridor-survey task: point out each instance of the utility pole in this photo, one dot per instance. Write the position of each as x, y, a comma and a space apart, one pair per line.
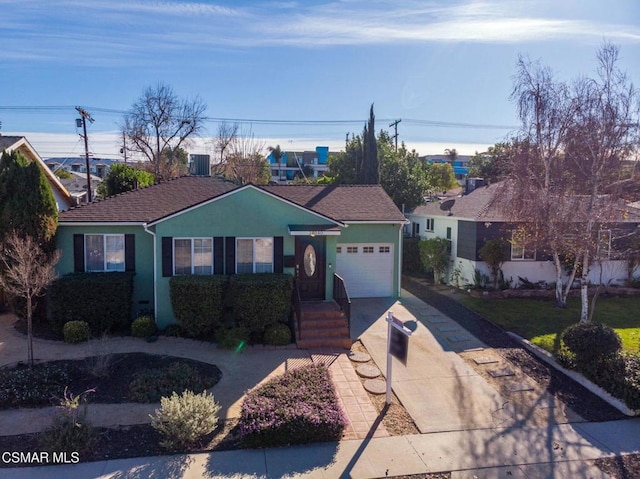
395, 136
123, 150
84, 116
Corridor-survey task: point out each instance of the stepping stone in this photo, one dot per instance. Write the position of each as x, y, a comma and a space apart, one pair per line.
486, 360
448, 329
459, 338
358, 357
502, 372
367, 371
376, 386
514, 387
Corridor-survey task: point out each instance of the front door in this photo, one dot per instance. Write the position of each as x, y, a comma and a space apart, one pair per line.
310, 264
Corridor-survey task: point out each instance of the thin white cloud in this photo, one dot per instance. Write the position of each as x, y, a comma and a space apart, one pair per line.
123, 32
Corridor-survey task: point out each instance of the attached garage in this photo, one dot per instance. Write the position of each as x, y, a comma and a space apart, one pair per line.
367, 268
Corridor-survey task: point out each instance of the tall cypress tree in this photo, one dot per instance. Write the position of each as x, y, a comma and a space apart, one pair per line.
27, 205
371, 168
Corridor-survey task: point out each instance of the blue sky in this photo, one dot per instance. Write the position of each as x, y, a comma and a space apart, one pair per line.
425, 62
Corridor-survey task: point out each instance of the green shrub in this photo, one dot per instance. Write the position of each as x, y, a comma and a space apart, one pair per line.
278, 334
143, 327
435, 254
70, 430
299, 407
76, 331
152, 384
618, 374
260, 300
31, 387
183, 420
591, 341
232, 338
104, 300
198, 303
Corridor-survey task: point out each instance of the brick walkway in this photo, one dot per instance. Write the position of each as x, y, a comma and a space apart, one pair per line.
355, 402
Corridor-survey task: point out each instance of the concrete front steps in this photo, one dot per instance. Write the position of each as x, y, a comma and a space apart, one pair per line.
323, 325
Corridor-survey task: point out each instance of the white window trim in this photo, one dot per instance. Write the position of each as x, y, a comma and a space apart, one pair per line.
430, 221
514, 241
253, 251
104, 252
191, 238
607, 254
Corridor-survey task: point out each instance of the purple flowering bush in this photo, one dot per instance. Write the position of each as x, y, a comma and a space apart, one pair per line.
299, 407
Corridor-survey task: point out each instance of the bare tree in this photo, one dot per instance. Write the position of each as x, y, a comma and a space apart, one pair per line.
227, 135
26, 272
159, 121
567, 180
604, 132
245, 162
534, 195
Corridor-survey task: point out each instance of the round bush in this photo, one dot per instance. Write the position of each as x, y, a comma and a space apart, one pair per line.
184, 419
591, 341
75, 331
278, 334
143, 327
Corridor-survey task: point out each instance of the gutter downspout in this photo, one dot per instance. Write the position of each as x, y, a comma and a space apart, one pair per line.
155, 273
400, 261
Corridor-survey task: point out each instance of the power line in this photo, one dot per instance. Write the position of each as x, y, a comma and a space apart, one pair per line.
433, 123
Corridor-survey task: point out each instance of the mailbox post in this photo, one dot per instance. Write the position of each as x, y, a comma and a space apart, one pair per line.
397, 346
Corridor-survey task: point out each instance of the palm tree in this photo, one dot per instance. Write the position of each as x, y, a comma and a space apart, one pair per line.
277, 154
451, 154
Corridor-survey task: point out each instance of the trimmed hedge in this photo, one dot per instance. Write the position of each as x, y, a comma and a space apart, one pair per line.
411, 262
143, 327
103, 300
198, 303
299, 407
618, 374
260, 300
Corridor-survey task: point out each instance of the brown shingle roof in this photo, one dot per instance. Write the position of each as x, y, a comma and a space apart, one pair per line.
477, 205
341, 203
7, 141
149, 204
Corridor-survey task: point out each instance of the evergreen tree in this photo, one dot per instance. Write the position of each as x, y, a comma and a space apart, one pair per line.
121, 178
27, 205
370, 168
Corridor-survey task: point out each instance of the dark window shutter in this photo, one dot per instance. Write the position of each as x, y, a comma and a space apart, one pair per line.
218, 255
167, 256
278, 254
129, 252
78, 253
230, 254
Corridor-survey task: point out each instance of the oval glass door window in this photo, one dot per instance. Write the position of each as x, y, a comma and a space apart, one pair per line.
310, 260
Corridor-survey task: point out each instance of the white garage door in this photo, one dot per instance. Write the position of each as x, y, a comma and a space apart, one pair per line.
367, 268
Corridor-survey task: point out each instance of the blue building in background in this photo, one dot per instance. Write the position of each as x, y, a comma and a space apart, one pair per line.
299, 164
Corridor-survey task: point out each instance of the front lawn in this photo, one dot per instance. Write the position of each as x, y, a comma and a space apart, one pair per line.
540, 321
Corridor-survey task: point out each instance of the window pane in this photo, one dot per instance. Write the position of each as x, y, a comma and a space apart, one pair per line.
244, 256
115, 252
94, 252
264, 255
203, 256
182, 255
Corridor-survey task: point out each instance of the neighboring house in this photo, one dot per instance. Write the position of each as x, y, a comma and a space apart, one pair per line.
77, 185
97, 166
204, 225
312, 164
64, 200
470, 220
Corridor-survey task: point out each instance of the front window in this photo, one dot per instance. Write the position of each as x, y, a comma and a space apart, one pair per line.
520, 249
193, 256
430, 224
104, 253
254, 255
